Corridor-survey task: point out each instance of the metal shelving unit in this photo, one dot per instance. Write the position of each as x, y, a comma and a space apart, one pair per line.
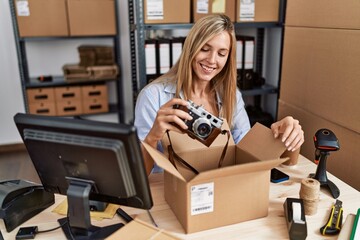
31, 82
138, 29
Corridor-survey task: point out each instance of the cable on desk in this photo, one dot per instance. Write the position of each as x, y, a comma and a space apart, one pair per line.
51, 229
152, 219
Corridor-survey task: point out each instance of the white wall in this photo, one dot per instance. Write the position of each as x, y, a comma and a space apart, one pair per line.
11, 99
48, 58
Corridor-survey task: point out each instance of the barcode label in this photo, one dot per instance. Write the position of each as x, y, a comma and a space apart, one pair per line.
22, 8
202, 198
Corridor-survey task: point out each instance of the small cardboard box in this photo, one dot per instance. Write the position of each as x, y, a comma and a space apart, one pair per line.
39, 18
35, 95
201, 8
236, 192
43, 108
94, 91
68, 93
95, 105
69, 107
91, 17
257, 11
166, 11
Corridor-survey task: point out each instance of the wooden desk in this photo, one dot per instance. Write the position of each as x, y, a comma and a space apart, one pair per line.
271, 227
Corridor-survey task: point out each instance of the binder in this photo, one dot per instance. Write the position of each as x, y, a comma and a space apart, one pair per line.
176, 48
163, 55
245, 47
150, 58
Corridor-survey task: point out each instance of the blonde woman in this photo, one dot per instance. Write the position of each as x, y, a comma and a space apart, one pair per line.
205, 74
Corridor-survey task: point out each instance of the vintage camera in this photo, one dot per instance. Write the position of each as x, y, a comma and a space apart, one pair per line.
204, 126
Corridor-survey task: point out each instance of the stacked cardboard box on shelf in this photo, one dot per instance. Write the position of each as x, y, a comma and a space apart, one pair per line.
41, 101
39, 18
69, 100
257, 11
166, 11
96, 63
320, 78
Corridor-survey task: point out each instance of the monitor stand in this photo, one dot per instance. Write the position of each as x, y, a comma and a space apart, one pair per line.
77, 225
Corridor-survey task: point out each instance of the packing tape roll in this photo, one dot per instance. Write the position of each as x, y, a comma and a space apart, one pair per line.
296, 207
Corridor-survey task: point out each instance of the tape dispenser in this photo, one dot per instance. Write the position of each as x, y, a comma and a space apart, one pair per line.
295, 218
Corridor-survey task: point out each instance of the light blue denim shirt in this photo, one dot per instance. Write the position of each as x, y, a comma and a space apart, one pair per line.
154, 95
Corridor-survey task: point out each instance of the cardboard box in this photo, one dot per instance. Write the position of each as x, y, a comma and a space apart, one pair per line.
320, 73
38, 18
94, 91
138, 229
75, 73
35, 95
343, 163
43, 108
72, 93
323, 13
69, 107
95, 105
201, 8
91, 17
236, 192
166, 11
260, 11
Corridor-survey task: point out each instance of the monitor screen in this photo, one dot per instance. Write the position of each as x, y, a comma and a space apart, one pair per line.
101, 159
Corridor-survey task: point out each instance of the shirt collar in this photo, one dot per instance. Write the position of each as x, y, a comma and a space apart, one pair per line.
171, 88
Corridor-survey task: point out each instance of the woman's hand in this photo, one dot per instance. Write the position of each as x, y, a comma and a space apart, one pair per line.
165, 119
291, 133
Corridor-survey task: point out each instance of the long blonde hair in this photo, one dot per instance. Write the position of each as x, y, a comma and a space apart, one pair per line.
225, 81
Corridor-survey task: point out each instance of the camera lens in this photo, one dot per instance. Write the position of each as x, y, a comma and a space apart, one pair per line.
202, 127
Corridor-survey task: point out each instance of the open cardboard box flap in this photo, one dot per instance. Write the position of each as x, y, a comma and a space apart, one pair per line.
258, 143
162, 161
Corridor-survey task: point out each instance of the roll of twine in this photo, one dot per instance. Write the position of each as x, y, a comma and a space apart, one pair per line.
309, 193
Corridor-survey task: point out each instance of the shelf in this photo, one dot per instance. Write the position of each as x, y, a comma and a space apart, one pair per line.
35, 39
265, 89
189, 25
28, 81
60, 81
167, 26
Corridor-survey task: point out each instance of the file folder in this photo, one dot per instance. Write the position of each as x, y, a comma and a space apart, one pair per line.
163, 55
176, 48
150, 59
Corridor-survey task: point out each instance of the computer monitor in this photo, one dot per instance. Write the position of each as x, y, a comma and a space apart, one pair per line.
86, 160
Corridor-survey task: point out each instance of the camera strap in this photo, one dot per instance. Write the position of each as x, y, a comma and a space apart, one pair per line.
174, 157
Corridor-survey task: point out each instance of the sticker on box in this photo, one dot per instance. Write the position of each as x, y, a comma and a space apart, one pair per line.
247, 10
218, 6
202, 198
202, 6
155, 10
22, 7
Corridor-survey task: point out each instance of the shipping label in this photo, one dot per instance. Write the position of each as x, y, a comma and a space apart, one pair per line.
202, 198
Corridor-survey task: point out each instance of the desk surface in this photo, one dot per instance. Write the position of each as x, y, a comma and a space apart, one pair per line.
271, 227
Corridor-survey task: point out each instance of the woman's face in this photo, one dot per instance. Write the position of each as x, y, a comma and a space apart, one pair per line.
212, 57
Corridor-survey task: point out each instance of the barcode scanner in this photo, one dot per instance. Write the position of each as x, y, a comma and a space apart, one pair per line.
325, 142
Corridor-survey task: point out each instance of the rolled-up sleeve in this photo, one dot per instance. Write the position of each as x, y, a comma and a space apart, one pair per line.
146, 108
241, 123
